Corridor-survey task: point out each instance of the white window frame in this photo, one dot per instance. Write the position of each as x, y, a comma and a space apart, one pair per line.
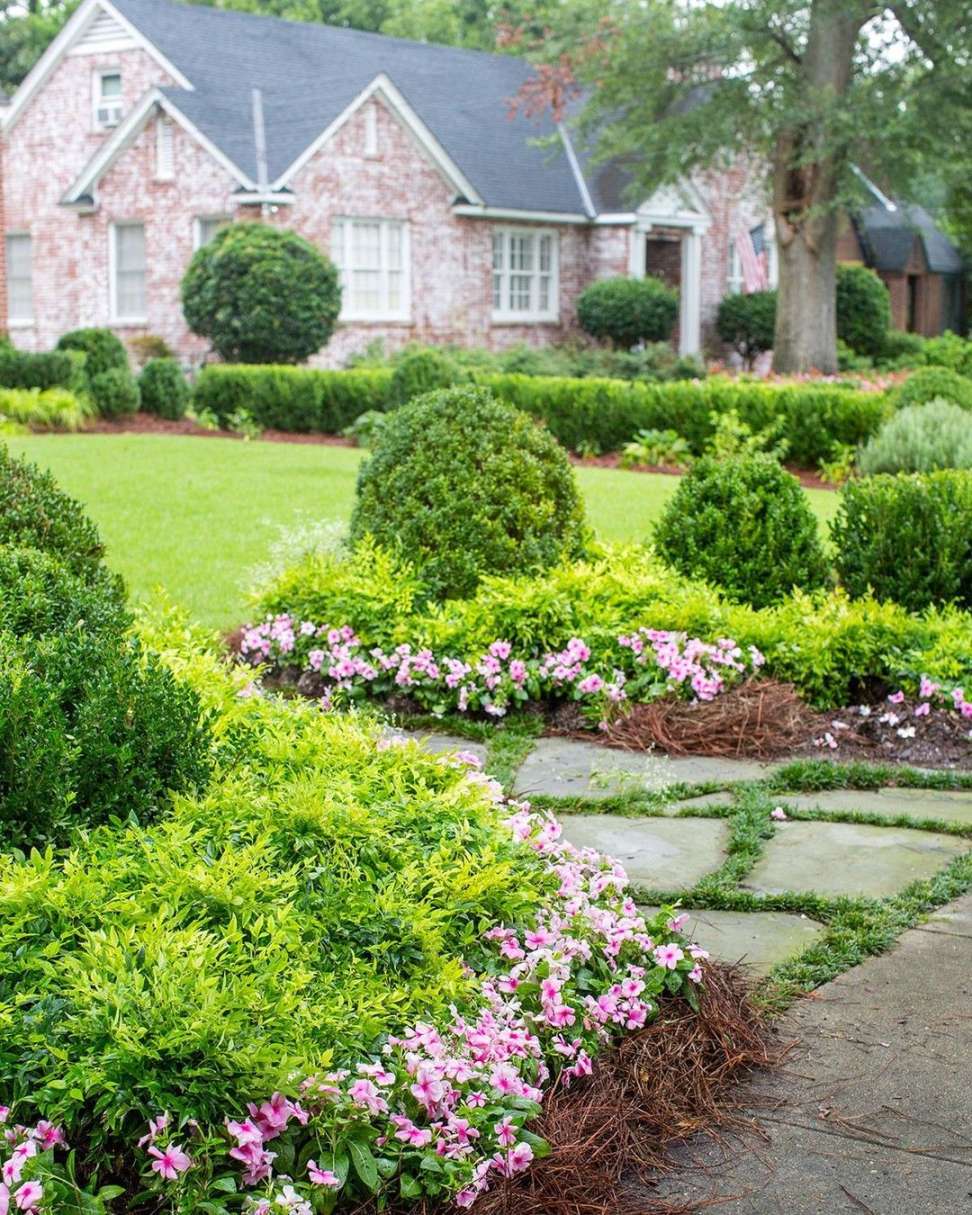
164, 148
504, 314
15, 322
98, 100
404, 311
197, 227
113, 273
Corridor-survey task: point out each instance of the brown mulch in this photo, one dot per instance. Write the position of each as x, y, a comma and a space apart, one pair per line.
149, 424
610, 1134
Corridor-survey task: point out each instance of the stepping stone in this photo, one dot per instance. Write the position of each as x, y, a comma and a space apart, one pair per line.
699, 803
664, 853
759, 939
955, 919
562, 767
850, 859
950, 805
438, 744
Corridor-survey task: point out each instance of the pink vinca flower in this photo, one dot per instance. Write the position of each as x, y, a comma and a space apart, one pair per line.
169, 1162
668, 956
322, 1176
29, 1196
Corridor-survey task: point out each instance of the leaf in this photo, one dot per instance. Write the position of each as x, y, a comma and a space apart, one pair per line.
364, 1163
540, 1146
227, 1185
411, 1187
108, 1192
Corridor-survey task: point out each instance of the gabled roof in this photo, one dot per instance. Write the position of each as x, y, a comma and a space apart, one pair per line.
311, 74
888, 231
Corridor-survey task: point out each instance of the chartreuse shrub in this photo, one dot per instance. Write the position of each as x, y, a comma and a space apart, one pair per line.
907, 538
91, 726
261, 295
163, 389
48, 409
627, 311
422, 370
464, 485
863, 309
35, 513
271, 940
824, 643
932, 384
743, 524
920, 438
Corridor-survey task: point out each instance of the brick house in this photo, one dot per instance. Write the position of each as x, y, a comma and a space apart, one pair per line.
147, 124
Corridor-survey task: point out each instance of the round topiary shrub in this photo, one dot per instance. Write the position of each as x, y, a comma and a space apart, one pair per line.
626, 311
464, 485
747, 323
102, 350
163, 389
420, 371
745, 525
863, 310
935, 383
907, 538
40, 595
115, 393
921, 438
35, 513
261, 295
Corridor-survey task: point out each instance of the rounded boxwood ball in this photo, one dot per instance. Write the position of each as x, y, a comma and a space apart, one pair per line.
464, 485
745, 525
863, 310
627, 311
261, 295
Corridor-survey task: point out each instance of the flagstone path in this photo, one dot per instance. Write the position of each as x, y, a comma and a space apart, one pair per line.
671, 849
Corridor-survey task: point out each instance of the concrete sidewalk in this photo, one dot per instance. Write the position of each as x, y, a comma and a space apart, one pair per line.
872, 1112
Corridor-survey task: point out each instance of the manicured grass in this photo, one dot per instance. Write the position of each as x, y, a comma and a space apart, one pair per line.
195, 515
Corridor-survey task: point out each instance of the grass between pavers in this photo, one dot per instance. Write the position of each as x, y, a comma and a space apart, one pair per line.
195, 515
854, 928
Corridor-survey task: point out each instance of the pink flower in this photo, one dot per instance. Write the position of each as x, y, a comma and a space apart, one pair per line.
322, 1176
896, 698
505, 1132
668, 955
519, 1158
928, 688
29, 1195
779, 814
4, 1113
48, 1136
923, 709
169, 1162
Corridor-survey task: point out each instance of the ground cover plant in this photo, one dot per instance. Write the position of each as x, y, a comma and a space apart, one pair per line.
47, 409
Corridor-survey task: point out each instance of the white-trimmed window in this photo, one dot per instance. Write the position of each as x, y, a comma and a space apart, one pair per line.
108, 102
373, 257
525, 275
734, 283
164, 149
205, 228
20, 287
127, 257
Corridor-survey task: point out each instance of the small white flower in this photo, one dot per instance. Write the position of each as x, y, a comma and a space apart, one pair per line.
906, 732
864, 710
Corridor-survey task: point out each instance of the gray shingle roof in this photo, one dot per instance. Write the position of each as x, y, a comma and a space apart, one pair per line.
309, 73
889, 237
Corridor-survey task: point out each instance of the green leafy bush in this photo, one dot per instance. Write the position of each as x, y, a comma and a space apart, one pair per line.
745, 525
22, 369
907, 538
35, 513
366, 428
115, 393
747, 323
297, 399
261, 295
949, 350
626, 311
90, 726
920, 438
863, 310
51, 409
656, 447
101, 348
465, 485
163, 389
902, 349
932, 384
420, 371
147, 346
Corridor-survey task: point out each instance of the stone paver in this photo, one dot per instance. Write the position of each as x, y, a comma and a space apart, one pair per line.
951, 806
561, 767
437, 744
697, 803
666, 853
871, 1110
758, 939
850, 858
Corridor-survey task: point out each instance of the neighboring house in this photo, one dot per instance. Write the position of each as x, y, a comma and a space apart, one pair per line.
147, 124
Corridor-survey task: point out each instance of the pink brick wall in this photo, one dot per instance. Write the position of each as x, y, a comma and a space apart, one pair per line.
450, 254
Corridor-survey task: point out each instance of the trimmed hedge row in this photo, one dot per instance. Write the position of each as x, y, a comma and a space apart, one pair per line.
605, 413
54, 369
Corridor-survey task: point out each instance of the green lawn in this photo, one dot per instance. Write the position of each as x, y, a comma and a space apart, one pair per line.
194, 515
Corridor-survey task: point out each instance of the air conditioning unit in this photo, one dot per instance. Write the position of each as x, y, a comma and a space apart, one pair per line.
109, 114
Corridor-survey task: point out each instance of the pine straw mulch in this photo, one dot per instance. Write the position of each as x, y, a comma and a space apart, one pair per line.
611, 1134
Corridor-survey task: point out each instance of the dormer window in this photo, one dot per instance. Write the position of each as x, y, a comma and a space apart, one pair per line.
108, 100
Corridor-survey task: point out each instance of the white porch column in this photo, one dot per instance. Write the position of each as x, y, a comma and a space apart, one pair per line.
690, 302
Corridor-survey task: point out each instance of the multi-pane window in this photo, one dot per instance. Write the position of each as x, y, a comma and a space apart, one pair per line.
372, 255
207, 226
20, 289
108, 101
128, 272
524, 274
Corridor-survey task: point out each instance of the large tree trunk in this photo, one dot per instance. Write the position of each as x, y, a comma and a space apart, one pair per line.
807, 169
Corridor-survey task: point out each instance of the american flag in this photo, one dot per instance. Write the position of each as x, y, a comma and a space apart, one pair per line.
753, 263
